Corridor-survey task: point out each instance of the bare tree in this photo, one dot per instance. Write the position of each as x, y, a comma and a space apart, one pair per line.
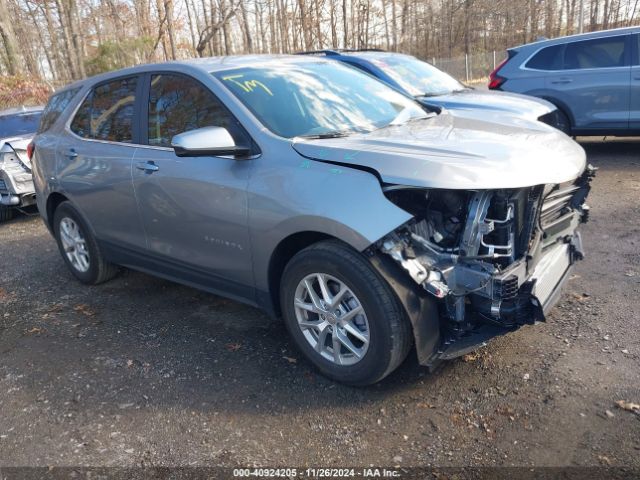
62, 40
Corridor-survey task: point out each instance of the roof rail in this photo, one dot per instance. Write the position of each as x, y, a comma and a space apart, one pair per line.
363, 50
338, 51
321, 52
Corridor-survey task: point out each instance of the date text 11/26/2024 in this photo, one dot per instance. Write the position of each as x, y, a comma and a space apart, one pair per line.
370, 472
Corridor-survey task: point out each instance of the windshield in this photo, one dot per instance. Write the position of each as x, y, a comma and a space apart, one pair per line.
318, 99
18, 124
417, 77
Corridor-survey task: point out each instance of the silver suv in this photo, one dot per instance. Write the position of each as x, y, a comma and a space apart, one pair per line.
593, 79
320, 194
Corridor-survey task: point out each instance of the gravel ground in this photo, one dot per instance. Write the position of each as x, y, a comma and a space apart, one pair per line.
141, 371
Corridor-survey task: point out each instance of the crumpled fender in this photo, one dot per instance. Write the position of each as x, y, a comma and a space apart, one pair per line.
420, 306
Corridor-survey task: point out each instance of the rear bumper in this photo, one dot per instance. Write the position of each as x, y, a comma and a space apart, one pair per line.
16, 190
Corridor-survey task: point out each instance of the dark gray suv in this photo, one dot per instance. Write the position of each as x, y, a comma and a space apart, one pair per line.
320, 194
593, 79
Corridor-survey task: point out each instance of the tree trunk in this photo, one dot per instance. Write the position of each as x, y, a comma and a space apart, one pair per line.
394, 28
9, 40
168, 11
345, 25
248, 41
66, 39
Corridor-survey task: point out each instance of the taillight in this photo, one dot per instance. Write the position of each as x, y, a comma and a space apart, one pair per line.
30, 149
495, 80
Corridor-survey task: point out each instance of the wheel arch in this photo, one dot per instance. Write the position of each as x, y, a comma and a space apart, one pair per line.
419, 307
53, 201
562, 107
282, 254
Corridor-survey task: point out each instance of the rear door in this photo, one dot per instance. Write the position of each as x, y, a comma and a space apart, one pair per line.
94, 161
194, 209
634, 111
594, 82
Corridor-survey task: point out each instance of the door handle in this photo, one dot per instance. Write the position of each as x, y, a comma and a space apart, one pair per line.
71, 154
562, 81
148, 167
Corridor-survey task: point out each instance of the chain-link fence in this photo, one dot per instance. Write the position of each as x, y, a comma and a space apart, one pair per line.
470, 68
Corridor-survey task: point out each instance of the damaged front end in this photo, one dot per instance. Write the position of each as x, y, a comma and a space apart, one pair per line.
475, 264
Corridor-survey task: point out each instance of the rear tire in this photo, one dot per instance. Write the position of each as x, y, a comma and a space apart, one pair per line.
6, 213
366, 323
79, 248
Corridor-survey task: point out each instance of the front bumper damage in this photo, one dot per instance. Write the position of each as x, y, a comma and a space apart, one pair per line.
515, 251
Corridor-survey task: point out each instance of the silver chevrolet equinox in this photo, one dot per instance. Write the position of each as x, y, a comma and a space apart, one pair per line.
316, 192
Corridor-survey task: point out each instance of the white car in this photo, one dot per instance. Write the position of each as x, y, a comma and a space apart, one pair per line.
17, 128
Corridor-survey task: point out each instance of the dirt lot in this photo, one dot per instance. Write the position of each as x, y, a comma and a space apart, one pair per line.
144, 371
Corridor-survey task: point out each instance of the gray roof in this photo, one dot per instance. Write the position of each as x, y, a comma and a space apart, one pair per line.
213, 64
584, 36
207, 64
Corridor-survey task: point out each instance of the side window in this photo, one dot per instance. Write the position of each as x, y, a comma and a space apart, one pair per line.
598, 53
108, 111
80, 124
549, 58
178, 103
55, 106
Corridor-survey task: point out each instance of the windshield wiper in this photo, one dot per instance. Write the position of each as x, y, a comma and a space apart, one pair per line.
334, 134
432, 94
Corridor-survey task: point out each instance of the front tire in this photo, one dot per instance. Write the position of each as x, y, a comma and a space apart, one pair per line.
79, 248
342, 314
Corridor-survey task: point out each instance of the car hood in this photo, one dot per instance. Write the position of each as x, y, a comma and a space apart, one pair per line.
456, 152
513, 103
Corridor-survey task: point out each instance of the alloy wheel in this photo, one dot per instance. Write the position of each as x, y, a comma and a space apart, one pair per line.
74, 244
332, 319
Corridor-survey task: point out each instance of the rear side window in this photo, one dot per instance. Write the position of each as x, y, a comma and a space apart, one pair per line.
598, 53
56, 105
178, 103
549, 58
108, 111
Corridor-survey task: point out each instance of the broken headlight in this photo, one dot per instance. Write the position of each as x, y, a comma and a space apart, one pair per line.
439, 214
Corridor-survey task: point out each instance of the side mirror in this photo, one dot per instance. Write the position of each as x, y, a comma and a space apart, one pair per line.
206, 142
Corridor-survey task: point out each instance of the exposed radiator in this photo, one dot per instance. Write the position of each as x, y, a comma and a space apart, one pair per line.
558, 206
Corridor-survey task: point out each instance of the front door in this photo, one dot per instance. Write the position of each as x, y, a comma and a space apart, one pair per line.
594, 82
194, 209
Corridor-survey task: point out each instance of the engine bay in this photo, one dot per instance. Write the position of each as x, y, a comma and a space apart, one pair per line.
481, 253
